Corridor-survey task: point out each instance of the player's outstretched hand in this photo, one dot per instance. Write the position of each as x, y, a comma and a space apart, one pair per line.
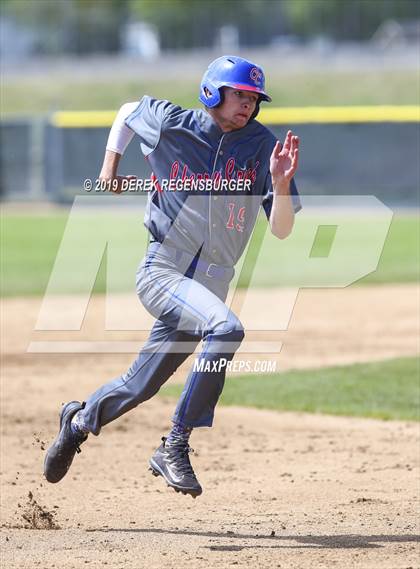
284, 159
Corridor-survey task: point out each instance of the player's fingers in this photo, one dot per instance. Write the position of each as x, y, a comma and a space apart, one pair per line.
293, 166
294, 143
287, 142
276, 150
295, 159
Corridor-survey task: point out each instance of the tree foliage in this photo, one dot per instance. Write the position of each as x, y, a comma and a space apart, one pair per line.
81, 26
73, 26
346, 19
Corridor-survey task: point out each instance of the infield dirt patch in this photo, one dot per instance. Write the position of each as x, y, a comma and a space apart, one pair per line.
280, 489
327, 327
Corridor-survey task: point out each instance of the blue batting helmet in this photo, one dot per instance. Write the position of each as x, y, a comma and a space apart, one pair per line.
231, 71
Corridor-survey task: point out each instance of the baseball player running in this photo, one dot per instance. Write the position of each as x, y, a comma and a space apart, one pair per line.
196, 238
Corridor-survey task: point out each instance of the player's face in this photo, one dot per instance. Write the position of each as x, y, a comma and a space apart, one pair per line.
236, 109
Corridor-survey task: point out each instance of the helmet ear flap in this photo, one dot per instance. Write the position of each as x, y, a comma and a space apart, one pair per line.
210, 94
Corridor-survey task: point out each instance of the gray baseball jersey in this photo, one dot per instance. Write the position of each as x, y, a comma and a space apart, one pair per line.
188, 145
215, 226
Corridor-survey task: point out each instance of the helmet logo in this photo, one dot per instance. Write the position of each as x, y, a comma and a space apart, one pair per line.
256, 75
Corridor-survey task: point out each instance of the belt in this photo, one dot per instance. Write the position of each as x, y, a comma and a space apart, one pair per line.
211, 270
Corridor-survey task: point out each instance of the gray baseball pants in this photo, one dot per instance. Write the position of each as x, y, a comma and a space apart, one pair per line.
188, 307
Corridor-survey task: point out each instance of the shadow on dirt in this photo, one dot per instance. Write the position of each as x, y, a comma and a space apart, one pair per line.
350, 541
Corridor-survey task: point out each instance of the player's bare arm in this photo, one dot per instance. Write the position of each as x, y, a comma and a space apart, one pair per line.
109, 172
283, 166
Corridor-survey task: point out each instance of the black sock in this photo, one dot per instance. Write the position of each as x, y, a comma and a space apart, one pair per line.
178, 435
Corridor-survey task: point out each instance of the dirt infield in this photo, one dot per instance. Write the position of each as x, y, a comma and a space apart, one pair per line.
327, 327
280, 489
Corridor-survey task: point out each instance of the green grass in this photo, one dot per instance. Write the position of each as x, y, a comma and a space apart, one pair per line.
400, 259
283, 263
28, 248
30, 244
384, 390
298, 89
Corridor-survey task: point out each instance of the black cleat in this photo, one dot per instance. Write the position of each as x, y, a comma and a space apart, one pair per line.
173, 464
61, 453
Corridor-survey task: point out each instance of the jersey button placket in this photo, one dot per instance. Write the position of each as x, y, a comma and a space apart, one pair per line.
219, 152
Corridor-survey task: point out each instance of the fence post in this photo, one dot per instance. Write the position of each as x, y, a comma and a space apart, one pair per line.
37, 188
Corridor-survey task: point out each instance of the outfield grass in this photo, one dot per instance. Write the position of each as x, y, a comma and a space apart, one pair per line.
30, 244
28, 248
297, 89
400, 259
383, 390
283, 262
